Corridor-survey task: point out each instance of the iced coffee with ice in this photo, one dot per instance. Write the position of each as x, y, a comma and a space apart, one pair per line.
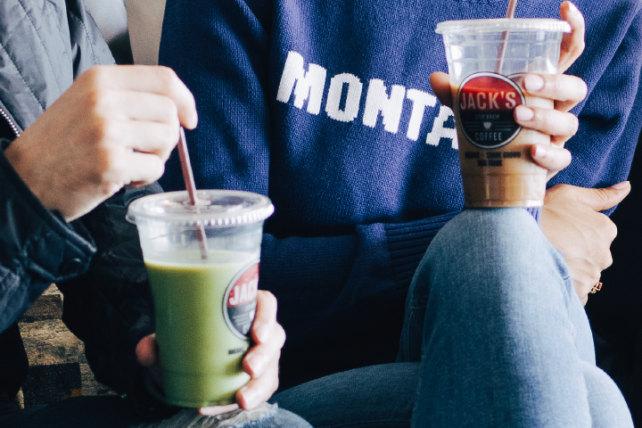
487, 60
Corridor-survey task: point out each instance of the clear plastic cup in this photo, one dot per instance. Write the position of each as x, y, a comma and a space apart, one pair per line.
203, 265
487, 60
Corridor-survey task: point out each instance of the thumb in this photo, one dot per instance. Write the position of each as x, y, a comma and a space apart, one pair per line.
147, 351
602, 199
440, 83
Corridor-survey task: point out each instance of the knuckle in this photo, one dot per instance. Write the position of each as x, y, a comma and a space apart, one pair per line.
610, 229
546, 120
582, 88
96, 99
578, 47
111, 165
555, 83
97, 132
280, 333
573, 124
106, 133
540, 118
169, 109
96, 74
168, 78
268, 297
608, 261
604, 199
167, 134
157, 168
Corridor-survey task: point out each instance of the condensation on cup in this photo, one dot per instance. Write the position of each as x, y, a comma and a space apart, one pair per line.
487, 61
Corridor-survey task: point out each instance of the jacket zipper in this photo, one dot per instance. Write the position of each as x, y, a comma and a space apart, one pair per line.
11, 123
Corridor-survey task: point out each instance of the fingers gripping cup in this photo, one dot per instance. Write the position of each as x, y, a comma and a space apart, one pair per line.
204, 301
487, 61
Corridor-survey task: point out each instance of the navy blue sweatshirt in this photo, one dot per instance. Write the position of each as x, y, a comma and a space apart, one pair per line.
326, 107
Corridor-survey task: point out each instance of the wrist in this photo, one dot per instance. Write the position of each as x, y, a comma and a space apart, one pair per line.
21, 165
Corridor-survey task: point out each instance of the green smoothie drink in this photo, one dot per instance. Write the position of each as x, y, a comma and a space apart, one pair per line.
183, 296
203, 265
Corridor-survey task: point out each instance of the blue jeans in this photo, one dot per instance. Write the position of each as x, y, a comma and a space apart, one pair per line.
494, 336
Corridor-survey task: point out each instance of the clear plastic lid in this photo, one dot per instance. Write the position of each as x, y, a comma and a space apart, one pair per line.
213, 208
496, 25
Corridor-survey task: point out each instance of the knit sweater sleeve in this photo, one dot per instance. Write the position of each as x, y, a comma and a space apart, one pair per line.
609, 117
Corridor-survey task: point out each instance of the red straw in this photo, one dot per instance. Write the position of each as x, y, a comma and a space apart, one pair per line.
510, 11
188, 177
510, 14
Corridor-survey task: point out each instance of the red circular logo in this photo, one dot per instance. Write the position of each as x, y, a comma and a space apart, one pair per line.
485, 104
239, 303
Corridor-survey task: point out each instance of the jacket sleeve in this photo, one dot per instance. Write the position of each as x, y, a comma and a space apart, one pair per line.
37, 247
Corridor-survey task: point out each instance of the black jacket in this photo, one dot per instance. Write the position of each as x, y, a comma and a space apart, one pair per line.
46, 44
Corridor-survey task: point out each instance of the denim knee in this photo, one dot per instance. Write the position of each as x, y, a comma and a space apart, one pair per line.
478, 258
489, 246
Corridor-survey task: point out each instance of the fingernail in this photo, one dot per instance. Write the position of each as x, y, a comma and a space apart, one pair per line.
540, 152
255, 362
622, 185
262, 332
572, 8
249, 396
533, 82
524, 113
193, 121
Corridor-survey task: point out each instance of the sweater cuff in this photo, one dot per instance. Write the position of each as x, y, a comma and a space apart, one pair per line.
42, 242
407, 243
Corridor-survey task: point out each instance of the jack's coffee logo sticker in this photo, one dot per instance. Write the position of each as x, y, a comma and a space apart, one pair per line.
485, 103
239, 303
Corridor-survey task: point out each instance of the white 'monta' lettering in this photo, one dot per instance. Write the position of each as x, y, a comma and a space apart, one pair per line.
377, 101
333, 104
420, 100
439, 131
343, 100
308, 84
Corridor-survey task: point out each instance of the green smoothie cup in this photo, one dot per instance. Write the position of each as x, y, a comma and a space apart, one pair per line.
203, 265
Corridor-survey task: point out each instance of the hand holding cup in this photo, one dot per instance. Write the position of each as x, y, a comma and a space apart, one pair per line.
218, 342
261, 361
566, 91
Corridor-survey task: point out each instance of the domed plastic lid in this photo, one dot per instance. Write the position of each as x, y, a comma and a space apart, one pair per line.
213, 208
468, 26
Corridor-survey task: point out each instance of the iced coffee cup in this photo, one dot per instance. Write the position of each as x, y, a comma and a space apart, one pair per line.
487, 60
203, 265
